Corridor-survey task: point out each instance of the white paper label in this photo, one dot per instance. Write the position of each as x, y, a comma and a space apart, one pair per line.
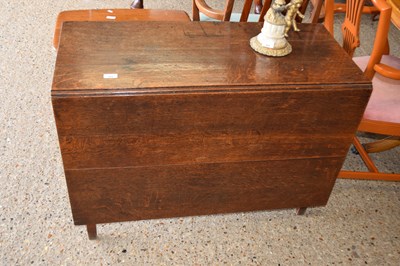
109, 11
111, 17
110, 76
269, 43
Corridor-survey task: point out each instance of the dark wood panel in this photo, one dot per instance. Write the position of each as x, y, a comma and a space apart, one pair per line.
193, 54
118, 16
123, 194
299, 111
227, 127
145, 150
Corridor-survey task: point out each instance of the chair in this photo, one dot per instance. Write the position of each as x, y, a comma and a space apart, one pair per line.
395, 4
366, 9
382, 115
225, 14
258, 5
318, 11
116, 15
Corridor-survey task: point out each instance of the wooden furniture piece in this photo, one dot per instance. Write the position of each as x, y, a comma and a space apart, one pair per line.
258, 5
367, 8
350, 26
116, 15
382, 115
395, 4
318, 12
183, 118
225, 14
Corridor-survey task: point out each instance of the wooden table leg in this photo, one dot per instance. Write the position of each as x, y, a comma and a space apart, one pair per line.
92, 231
301, 211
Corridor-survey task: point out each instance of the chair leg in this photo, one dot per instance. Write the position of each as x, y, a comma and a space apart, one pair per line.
301, 211
364, 156
318, 12
368, 176
266, 6
246, 10
92, 231
258, 5
382, 145
373, 173
195, 11
228, 9
137, 4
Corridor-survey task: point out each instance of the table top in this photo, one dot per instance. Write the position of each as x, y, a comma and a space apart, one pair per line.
142, 57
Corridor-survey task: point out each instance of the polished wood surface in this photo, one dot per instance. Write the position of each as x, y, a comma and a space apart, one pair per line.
162, 191
197, 122
116, 15
231, 127
193, 55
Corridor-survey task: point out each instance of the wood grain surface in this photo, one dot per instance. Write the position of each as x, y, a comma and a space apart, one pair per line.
126, 131
197, 122
124, 194
172, 55
116, 15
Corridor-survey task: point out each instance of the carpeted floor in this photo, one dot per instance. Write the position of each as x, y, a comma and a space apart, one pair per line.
360, 225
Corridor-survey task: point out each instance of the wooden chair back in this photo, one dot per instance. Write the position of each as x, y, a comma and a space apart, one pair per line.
367, 9
351, 24
351, 29
338, 8
381, 44
116, 15
225, 13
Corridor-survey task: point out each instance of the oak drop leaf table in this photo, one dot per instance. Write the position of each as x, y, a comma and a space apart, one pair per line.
170, 119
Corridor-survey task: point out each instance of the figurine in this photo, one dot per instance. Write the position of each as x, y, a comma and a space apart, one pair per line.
292, 12
271, 41
274, 14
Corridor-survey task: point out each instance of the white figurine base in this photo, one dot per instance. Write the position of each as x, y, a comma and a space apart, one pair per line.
271, 41
258, 47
